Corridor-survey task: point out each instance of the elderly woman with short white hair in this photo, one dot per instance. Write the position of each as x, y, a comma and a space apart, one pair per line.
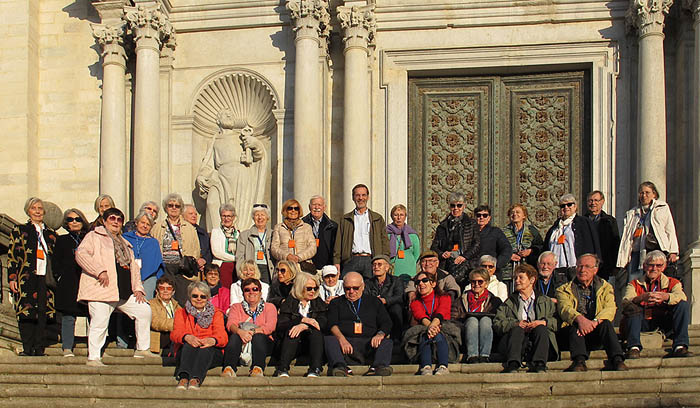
151, 207
249, 269
254, 243
102, 203
178, 239
147, 252
224, 240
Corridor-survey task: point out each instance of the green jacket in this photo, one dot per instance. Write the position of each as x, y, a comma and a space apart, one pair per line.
568, 302
507, 316
378, 240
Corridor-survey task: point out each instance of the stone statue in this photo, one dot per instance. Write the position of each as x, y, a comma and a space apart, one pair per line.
234, 170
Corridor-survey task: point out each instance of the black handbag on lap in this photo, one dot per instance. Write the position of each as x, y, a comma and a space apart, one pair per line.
188, 264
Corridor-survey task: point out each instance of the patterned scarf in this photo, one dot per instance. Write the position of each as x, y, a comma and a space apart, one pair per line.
253, 313
203, 318
476, 304
121, 250
292, 224
525, 239
231, 236
394, 233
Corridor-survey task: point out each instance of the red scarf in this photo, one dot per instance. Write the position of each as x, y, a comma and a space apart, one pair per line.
476, 303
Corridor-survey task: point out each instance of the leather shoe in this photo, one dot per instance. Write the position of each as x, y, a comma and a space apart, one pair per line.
633, 354
577, 366
681, 351
538, 367
511, 367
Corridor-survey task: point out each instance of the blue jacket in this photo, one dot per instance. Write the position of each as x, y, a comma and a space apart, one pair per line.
147, 249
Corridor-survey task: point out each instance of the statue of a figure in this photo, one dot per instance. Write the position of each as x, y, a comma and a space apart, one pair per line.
234, 170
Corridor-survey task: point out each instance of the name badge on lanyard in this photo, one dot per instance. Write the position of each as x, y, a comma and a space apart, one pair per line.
400, 254
260, 255
357, 328
139, 263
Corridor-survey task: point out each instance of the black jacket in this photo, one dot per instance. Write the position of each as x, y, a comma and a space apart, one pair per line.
67, 272
609, 239
289, 314
585, 237
495, 243
392, 290
279, 292
327, 231
372, 312
466, 234
204, 243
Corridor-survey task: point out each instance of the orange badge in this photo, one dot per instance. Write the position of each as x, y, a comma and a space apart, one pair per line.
318, 242
638, 232
358, 328
455, 247
400, 254
39, 253
261, 255
561, 239
291, 244
174, 245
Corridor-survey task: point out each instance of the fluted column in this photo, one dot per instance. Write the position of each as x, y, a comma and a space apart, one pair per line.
647, 17
358, 26
113, 157
150, 28
311, 24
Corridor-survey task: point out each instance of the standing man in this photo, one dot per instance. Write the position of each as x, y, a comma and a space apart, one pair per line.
361, 236
608, 234
324, 230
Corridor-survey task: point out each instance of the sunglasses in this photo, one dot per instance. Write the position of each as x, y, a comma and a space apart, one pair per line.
292, 208
74, 219
566, 205
260, 205
311, 288
113, 218
459, 205
483, 215
173, 205
351, 288
477, 282
282, 270
196, 296
424, 280
165, 288
488, 266
253, 289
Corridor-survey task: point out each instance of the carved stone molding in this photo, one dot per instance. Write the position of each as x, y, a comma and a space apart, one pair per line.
111, 39
359, 25
311, 18
647, 16
149, 23
694, 7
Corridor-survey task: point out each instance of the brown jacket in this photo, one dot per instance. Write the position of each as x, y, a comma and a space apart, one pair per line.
161, 325
378, 239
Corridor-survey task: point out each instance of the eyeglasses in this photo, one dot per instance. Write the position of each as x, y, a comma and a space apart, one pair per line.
171, 205
654, 265
291, 208
74, 219
483, 215
311, 288
594, 200
260, 205
456, 205
196, 296
351, 288
429, 260
424, 280
226, 216
113, 218
566, 205
253, 289
477, 282
488, 266
165, 288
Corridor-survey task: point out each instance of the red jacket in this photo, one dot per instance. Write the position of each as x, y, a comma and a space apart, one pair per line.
184, 324
443, 303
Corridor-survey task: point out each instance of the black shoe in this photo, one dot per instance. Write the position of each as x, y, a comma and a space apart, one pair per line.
680, 352
537, 367
313, 373
23, 354
577, 366
633, 353
484, 359
472, 360
511, 367
339, 371
616, 364
383, 371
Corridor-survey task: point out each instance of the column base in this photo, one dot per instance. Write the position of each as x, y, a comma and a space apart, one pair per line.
690, 266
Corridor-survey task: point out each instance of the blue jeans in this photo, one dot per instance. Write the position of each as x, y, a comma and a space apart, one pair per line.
676, 318
425, 352
479, 336
67, 332
149, 286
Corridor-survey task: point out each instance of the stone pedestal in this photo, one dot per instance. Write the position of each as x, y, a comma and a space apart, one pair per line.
113, 143
647, 17
150, 28
311, 24
358, 26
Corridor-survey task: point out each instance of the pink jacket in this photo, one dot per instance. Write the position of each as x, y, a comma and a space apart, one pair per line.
95, 255
267, 320
222, 300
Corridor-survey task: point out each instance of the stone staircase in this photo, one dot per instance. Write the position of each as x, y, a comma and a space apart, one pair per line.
57, 381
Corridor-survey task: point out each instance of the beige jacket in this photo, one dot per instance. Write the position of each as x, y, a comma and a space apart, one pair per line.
304, 242
96, 255
190, 240
161, 325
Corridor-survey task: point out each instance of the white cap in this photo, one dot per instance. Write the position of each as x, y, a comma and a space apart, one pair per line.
329, 270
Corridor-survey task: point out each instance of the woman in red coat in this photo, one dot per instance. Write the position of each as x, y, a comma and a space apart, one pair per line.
199, 336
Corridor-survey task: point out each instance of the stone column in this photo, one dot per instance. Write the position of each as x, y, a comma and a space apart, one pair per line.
113, 158
150, 28
311, 25
647, 17
359, 27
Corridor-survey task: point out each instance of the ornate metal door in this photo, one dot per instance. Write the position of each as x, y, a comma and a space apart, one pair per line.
499, 140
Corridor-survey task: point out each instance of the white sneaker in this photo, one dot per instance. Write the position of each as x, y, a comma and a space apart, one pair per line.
442, 370
68, 353
144, 354
95, 363
427, 370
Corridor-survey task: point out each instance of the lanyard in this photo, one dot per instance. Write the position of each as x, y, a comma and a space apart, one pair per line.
432, 307
528, 307
261, 240
519, 237
356, 311
546, 290
139, 245
654, 286
40, 239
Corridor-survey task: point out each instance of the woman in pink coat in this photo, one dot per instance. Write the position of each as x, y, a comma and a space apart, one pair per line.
111, 279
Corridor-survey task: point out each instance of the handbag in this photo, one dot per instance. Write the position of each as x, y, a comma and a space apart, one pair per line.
51, 281
188, 265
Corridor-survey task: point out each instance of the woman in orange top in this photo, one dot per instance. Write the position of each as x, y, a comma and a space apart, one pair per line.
199, 336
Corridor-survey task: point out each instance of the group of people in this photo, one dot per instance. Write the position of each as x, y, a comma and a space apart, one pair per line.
353, 292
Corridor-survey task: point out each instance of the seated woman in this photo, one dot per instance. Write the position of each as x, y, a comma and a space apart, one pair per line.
251, 321
163, 309
282, 286
526, 318
431, 328
220, 296
199, 336
480, 307
248, 270
302, 319
331, 287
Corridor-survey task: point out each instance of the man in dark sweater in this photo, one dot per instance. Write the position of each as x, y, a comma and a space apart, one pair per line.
325, 230
359, 325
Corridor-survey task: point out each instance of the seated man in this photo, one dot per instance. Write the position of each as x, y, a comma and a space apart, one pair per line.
586, 306
429, 262
547, 283
163, 308
389, 289
656, 300
359, 324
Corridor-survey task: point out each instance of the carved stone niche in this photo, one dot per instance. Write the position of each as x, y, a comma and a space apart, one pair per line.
233, 115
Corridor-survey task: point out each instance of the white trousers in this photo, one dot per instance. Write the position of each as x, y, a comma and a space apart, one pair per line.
99, 321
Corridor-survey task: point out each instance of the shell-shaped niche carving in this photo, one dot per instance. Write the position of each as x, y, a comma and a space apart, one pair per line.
249, 99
